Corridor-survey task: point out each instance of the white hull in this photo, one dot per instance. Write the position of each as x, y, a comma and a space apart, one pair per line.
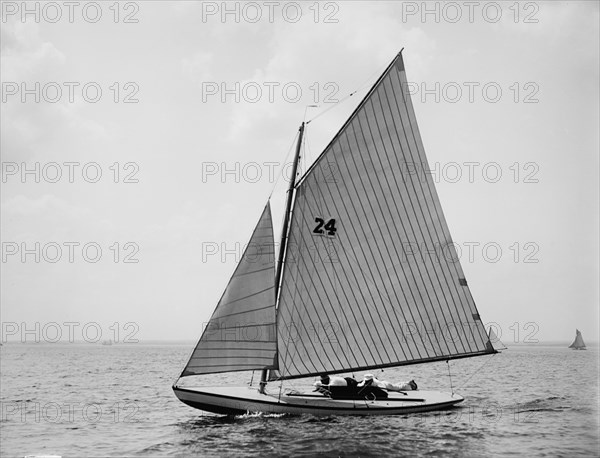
240, 400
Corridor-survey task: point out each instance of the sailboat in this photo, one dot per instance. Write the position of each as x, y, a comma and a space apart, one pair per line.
578, 343
495, 340
359, 283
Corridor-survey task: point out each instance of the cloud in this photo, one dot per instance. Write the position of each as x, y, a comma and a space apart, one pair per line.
49, 217
197, 66
31, 129
26, 55
353, 59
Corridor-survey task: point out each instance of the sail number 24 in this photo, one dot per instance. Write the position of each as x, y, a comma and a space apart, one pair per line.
323, 227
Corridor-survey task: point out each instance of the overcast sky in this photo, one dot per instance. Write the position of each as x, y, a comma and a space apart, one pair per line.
506, 99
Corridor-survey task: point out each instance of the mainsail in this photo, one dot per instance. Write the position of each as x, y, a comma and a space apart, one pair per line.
371, 276
578, 343
241, 333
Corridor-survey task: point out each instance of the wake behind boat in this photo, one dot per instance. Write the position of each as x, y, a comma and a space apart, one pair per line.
367, 277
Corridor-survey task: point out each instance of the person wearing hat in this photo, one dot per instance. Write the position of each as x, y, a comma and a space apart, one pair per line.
370, 380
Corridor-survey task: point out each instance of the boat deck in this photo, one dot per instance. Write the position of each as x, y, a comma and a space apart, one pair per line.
240, 400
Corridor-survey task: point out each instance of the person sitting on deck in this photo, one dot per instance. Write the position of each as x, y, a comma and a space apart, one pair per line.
326, 382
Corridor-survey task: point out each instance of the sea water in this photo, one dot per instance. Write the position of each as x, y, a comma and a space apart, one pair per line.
86, 400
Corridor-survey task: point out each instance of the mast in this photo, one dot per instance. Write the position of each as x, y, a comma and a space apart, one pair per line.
288, 211
284, 234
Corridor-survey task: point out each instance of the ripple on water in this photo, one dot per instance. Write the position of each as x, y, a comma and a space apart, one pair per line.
509, 410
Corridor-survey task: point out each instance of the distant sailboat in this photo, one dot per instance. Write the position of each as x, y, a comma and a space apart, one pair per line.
380, 298
495, 340
578, 343
107, 342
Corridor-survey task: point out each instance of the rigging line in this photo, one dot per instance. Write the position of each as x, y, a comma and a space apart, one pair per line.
366, 83
478, 369
280, 387
305, 154
333, 106
285, 161
307, 157
450, 376
306, 109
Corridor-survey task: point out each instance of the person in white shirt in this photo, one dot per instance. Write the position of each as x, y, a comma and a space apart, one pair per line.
370, 379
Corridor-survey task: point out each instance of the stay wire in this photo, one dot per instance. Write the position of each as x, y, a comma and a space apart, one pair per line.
360, 88
280, 173
450, 376
478, 369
